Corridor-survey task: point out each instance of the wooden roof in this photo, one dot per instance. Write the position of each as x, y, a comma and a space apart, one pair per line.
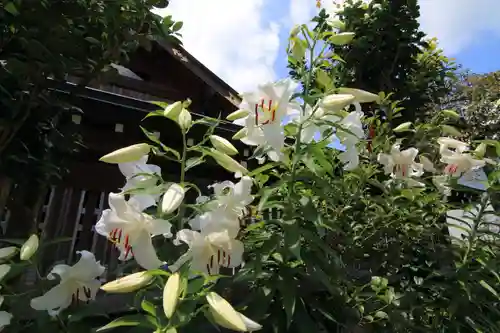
170, 73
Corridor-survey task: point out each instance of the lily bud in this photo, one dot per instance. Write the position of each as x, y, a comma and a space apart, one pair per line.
4, 270
226, 316
297, 48
171, 294
360, 96
227, 162
447, 129
172, 198
295, 30
173, 110
223, 145
127, 154
29, 248
240, 134
7, 252
238, 114
336, 24
451, 114
403, 127
342, 38
336, 101
128, 283
480, 150
185, 119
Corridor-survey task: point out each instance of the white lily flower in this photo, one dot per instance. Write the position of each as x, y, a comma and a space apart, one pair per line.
401, 164
352, 123
131, 230
448, 146
234, 197
458, 163
226, 316
211, 248
136, 175
5, 318
77, 283
228, 207
268, 106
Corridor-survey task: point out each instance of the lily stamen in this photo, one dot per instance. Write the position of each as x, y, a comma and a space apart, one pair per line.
263, 108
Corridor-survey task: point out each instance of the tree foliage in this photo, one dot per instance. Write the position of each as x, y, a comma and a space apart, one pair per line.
481, 111
43, 42
389, 53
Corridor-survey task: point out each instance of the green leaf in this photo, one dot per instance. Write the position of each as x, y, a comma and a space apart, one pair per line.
293, 239
11, 8
92, 40
132, 320
486, 286
194, 161
262, 169
289, 298
177, 26
381, 315
148, 307
195, 285
153, 138
161, 104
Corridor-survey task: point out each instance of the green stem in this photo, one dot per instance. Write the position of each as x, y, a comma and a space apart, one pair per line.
298, 138
182, 209
183, 158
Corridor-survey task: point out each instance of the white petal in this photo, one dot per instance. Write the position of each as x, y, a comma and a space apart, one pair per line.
56, 299
93, 287
144, 252
130, 169
60, 271
249, 323
4, 270
87, 268
186, 236
7, 252
350, 158
236, 250
142, 201
108, 222
5, 318
160, 227
117, 203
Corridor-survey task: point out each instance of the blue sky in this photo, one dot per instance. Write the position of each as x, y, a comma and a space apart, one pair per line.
244, 41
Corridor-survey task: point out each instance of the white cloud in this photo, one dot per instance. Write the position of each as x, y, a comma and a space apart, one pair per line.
301, 11
458, 23
231, 38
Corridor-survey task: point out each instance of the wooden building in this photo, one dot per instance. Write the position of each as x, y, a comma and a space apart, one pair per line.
112, 114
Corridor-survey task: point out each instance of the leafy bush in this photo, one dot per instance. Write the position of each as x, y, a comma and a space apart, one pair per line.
394, 232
